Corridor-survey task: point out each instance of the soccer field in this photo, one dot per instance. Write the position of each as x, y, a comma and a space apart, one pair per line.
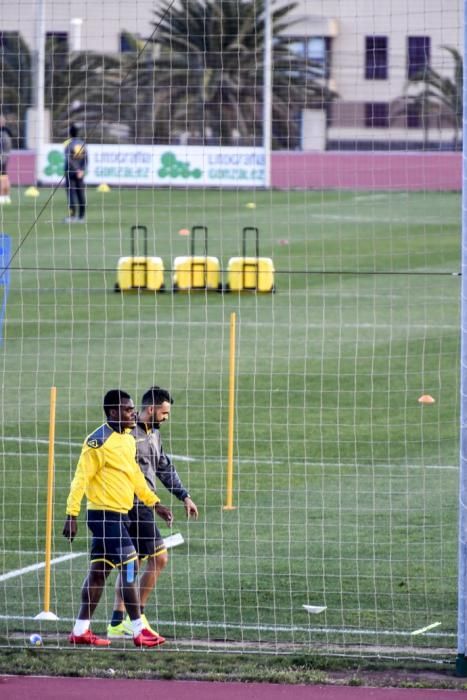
345, 486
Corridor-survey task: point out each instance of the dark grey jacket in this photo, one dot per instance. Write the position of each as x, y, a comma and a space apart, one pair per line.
76, 156
154, 462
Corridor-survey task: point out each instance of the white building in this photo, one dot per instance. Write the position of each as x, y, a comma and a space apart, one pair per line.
368, 50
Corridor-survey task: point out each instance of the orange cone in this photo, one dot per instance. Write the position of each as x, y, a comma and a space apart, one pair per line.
426, 398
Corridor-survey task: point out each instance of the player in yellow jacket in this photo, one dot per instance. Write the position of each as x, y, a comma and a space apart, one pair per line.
108, 474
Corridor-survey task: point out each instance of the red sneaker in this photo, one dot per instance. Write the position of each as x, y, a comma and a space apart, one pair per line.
88, 638
146, 638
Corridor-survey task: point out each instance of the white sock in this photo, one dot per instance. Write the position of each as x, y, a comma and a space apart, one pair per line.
137, 626
81, 626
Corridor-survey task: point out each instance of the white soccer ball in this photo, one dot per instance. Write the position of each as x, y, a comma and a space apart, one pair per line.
35, 640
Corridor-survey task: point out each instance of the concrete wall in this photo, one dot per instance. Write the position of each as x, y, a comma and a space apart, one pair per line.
331, 170
21, 168
367, 171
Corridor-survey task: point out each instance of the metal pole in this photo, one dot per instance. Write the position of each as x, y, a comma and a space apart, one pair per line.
461, 662
40, 83
267, 93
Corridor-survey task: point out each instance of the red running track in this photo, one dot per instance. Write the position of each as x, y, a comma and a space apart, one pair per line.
45, 688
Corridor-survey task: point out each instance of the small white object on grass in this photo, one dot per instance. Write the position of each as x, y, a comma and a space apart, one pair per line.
35, 640
173, 540
315, 609
422, 630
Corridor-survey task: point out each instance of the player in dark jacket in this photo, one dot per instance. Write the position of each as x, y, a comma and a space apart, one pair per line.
76, 161
150, 455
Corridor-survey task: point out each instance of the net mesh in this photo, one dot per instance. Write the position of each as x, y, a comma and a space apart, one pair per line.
344, 483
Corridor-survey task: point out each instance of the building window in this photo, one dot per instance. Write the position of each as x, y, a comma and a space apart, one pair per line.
418, 56
377, 115
376, 58
315, 50
413, 115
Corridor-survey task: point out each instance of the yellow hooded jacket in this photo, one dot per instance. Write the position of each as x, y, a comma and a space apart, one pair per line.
108, 474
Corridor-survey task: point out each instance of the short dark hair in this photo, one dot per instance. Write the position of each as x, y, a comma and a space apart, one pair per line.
74, 131
155, 396
113, 399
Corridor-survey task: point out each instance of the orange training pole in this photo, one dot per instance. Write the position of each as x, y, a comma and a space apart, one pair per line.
229, 500
50, 488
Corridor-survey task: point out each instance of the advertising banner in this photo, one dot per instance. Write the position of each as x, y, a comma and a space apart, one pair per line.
144, 166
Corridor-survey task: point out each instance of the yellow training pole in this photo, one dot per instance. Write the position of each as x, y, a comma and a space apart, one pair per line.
229, 500
46, 614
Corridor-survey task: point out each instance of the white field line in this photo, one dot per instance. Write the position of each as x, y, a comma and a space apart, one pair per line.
264, 628
377, 326
63, 443
41, 441
26, 552
221, 625
374, 218
238, 460
40, 565
278, 462
409, 221
369, 197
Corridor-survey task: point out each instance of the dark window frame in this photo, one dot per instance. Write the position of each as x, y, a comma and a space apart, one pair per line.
413, 116
305, 40
377, 115
376, 57
418, 56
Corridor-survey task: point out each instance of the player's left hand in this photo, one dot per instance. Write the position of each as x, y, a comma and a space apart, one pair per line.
164, 513
70, 528
191, 509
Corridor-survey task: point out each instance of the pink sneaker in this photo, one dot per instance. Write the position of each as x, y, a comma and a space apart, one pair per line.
88, 638
146, 638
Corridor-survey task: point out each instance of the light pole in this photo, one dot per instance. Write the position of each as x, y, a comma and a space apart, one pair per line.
267, 93
40, 85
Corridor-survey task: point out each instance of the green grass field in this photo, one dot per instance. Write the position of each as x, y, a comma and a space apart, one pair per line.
345, 486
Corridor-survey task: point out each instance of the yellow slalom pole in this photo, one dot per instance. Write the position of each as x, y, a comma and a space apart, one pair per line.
46, 614
229, 500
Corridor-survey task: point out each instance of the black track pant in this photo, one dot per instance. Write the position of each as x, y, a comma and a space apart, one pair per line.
75, 190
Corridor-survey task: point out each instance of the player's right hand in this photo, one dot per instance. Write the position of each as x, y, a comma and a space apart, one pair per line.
70, 528
164, 513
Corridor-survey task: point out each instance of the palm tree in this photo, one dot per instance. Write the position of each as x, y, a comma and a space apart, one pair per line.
137, 89
15, 82
209, 77
440, 96
85, 87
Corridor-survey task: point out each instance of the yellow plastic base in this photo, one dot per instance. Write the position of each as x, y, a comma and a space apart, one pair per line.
250, 274
140, 273
196, 272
